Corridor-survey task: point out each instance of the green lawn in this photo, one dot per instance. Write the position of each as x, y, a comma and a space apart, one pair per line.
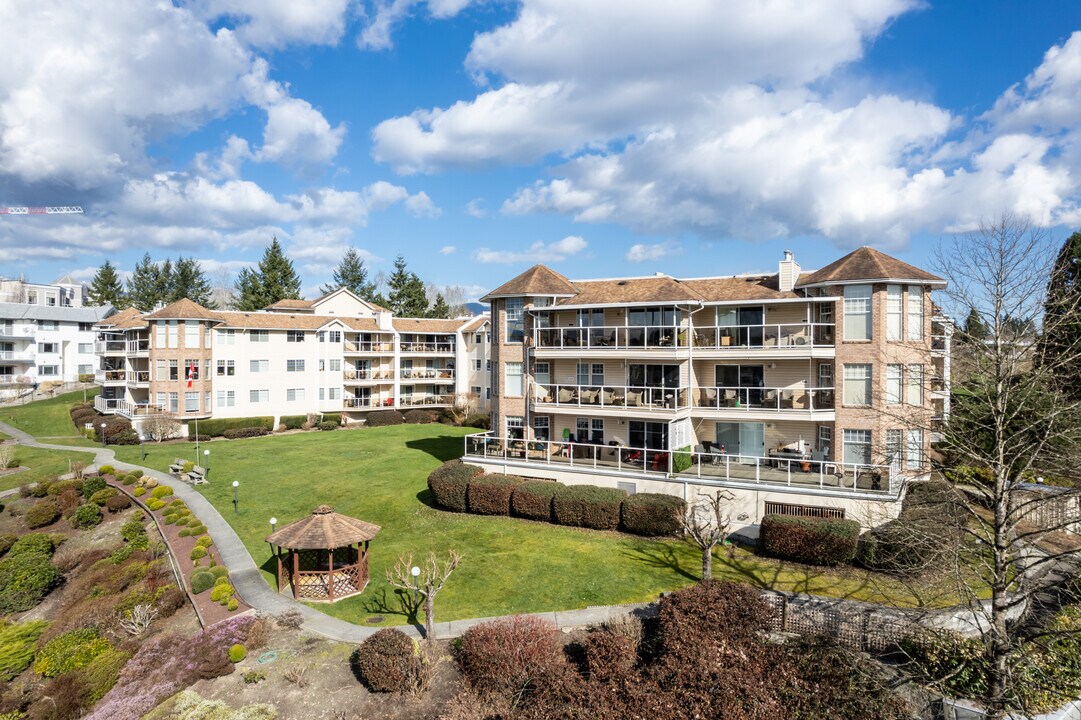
41, 464
49, 419
508, 566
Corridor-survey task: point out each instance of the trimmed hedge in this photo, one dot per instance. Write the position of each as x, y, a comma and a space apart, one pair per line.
332, 417
419, 417
117, 503
201, 581
245, 432
533, 500
328, 425
482, 421
652, 514
86, 516
382, 418
815, 541
293, 422
93, 484
449, 484
217, 427
102, 496
490, 494
387, 661
587, 506
42, 513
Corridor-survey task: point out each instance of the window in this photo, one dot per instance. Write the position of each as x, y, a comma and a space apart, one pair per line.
174, 402
475, 389
85, 327
857, 389
191, 369
825, 375
335, 364
488, 365
515, 326
47, 370
650, 435
915, 312
191, 334
259, 336
171, 332
335, 336
541, 427
915, 385
893, 384
914, 450
48, 347
258, 366
226, 368
334, 393
513, 386
858, 312
160, 374
894, 439
86, 369
590, 373
857, 447
294, 394
487, 393
477, 364
226, 398
162, 399
174, 369
206, 335
159, 334
322, 393
191, 402
294, 336
86, 348
515, 426
478, 338
294, 366
542, 374
825, 440
591, 318
227, 337
48, 324
258, 396
590, 430
894, 311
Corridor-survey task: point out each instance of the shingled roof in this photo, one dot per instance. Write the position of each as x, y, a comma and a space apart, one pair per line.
324, 529
867, 264
290, 304
537, 280
182, 309
659, 288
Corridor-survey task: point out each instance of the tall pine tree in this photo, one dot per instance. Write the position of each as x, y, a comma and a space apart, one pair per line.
439, 308
144, 285
406, 297
353, 276
1062, 315
274, 280
106, 288
975, 329
190, 282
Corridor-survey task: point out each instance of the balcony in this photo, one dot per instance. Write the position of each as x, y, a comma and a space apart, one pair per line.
367, 403
138, 378
427, 347
769, 399
789, 337
623, 397
107, 406
428, 374
110, 347
24, 356
796, 475
138, 347
360, 376
378, 347
110, 377
610, 338
412, 400
124, 408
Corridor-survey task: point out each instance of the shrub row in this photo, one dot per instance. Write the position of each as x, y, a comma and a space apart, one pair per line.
465, 488
383, 418
245, 432
218, 426
815, 541
418, 417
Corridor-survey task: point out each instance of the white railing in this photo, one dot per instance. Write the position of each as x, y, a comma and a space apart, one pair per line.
427, 347
621, 396
132, 410
16, 356
764, 398
359, 403
427, 373
420, 399
107, 406
792, 336
110, 347
138, 347
368, 374
794, 472
354, 346
610, 337
138, 377
110, 376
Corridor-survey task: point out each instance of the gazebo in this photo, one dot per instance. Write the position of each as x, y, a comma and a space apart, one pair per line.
323, 556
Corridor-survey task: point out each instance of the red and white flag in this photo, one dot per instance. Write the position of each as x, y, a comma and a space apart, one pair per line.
191, 373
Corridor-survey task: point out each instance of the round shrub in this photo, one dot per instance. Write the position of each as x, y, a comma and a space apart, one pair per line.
232, 604
533, 500
201, 581
139, 491
197, 530
102, 496
418, 417
204, 541
237, 653
118, 503
58, 487
155, 505
490, 494
327, 425
506, 657
221, 591
26, 578
220, 579
815, 541
652, 514
587, 506
41, 489
449, 484
136, 473
129, 480
387, 662
162, 491
86, 516
6, 541
219, 571
198, 552
107, 470
70, 651
102, 673
382, 418
92, 485
697, 622
43, 512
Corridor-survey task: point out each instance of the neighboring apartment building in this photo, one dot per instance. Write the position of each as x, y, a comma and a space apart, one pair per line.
42, 343
335, 354
800, 393
65, 292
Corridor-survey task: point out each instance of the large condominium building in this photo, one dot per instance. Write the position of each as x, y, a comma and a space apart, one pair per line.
801, 393
43, 343
336, 354
65, 292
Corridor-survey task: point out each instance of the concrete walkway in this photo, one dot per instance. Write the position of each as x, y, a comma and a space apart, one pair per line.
248, 581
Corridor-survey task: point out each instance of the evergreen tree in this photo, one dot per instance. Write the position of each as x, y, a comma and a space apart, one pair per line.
163, 288
406, 297
1062, 314
249, 291
190, 282
274, 280
352, 275
144, 286
439, 308
975, 329
106, 288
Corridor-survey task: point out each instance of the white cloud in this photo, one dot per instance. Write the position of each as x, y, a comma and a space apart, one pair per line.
420, 205
389, 13
538, 252
640, 252
277, 23
475, 208
299, 135
447, 250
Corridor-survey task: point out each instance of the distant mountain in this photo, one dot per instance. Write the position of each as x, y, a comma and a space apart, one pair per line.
476, 308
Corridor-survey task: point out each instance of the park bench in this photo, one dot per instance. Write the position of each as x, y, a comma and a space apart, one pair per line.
197, 475
178, 466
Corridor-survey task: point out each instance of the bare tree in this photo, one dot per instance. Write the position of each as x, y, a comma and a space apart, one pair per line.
137, 620
706, 523
161, 427
464, 405
223, 289
455, 296
432, 577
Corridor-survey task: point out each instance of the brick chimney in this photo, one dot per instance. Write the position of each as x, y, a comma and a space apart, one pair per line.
788, 271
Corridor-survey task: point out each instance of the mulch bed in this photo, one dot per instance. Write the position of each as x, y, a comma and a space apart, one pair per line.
180, 546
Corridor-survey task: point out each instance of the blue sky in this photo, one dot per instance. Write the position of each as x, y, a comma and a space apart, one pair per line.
616, 137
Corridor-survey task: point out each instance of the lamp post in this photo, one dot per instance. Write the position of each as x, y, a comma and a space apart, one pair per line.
273, 523
415, 572
102, 426
142, 445
236, 497
206, 454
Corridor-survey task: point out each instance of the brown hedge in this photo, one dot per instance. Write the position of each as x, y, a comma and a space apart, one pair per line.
608, 657
490, 494
815, 541
507, 657
652, 514
382, 418
387, 662
449, 484
533, 500
587, 506
418, 417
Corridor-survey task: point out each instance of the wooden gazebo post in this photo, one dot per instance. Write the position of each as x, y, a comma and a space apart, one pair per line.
278, 557
330, 589
296, 573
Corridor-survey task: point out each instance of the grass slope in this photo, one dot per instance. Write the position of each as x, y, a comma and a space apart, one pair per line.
48, 418
509, 565
42, 464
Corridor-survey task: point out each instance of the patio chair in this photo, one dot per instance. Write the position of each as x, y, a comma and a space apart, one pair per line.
707, 397
729, 398
589, 397
699, 452
607, 397
567, 396
634, 399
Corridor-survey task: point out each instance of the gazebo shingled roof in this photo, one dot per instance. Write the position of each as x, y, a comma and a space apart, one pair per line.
323, 529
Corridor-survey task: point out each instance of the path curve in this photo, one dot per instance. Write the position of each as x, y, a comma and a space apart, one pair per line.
248, 581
